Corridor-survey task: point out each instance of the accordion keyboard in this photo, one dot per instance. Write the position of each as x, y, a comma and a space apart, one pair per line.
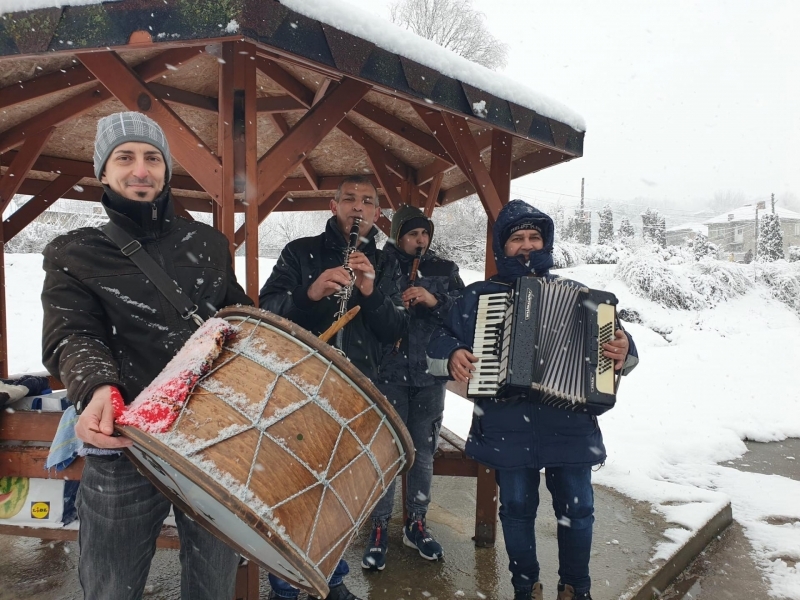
490, 350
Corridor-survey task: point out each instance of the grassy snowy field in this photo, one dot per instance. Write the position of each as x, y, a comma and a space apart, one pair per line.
709, 378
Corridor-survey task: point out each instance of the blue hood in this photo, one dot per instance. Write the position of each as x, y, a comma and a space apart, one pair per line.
541, 261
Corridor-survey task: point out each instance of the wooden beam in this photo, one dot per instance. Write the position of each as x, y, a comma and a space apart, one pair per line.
404, 130
43, 85
225, 143
433, 194
473, 167
308, 132
184, 98
322, 90
185, 145
251, 222
180, 209
401, 169
284, 79
308, 170
3, 313
23, 216
22, 163
278, 104
536, 161
65, 166
500, 168
384, 224
95, 95
483, 137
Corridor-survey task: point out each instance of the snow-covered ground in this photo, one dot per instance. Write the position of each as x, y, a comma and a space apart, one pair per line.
708, 380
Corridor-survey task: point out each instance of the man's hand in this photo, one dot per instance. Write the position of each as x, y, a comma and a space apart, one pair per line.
96, 423
461, 364
617, 349
365, 273
418, 296
328, 283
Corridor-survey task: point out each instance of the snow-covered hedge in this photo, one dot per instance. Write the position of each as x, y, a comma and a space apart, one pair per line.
793, 255
648, 276
567, 254
783, 279
716, 281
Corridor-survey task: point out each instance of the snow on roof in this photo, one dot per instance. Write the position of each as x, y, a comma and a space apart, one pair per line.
748, 213
10, 6
696, 227
390, 37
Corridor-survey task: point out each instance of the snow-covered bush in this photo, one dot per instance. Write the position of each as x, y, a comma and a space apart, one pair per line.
793, 255
625, 233
605, 254
606, 231
770, 239
783, 279
41, 232
648, 276
717, 281
702, 248
567, 254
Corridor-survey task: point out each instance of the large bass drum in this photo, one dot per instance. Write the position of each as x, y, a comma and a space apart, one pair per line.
282, 449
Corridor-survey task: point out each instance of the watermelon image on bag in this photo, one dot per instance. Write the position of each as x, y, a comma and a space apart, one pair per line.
13, 493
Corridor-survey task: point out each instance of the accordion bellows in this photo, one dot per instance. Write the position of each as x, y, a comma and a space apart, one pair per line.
546, 336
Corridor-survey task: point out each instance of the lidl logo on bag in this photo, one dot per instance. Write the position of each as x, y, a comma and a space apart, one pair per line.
40, 510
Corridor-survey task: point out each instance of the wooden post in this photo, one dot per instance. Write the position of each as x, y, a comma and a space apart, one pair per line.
225, 144
252, 282
3, 314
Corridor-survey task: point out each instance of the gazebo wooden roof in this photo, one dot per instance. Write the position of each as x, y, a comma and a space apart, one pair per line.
265, 109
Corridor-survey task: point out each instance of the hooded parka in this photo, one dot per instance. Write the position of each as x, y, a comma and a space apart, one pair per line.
518, 432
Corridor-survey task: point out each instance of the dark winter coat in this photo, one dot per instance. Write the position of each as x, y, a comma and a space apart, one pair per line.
518, 432
381, 320
408, 365
104, 322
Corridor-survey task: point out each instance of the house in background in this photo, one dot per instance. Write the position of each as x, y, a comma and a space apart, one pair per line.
735, 232
680, 234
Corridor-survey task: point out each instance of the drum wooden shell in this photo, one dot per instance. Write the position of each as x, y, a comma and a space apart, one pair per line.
282, 450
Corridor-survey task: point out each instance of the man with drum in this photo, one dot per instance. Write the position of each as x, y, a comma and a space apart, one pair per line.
518, 435
108, 328
303, 286
431, 284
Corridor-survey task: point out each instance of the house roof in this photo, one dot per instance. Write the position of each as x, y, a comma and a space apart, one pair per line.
747, 213
696, 227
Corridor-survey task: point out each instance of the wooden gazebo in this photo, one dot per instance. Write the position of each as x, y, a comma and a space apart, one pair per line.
264, 108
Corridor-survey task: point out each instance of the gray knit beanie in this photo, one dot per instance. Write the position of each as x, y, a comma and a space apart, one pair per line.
124, 127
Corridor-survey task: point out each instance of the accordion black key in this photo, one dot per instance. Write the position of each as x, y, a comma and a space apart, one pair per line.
546, 336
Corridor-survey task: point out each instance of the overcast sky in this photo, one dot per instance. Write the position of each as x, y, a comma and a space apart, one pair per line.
682, 99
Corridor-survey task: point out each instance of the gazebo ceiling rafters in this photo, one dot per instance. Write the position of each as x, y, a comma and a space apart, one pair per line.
268, 113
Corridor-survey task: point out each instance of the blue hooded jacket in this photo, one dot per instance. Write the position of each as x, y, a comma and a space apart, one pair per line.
517, 432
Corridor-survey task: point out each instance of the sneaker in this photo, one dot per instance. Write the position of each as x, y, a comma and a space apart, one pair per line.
529, 594
416, 535
567, 592
340, 592
375, 554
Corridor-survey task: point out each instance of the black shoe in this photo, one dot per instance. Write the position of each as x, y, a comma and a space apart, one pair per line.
374, 557
523, 594
416, 535
340, 592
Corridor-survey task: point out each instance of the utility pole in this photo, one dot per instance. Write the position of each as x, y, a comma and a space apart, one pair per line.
773, 204
762, 207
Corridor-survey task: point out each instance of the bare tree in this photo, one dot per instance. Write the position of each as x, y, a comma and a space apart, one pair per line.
453, 24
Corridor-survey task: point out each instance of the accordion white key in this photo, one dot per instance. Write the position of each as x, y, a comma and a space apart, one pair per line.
546, 336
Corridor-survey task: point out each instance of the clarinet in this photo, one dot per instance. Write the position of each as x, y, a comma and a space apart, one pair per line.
412, 279
346, 292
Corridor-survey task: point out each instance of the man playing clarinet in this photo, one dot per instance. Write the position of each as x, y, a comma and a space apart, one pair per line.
518, 435
303, 288
430, 286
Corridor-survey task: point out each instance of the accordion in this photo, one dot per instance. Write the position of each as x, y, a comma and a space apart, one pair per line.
546, 336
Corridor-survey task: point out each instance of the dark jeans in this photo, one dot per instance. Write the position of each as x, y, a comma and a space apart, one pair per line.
421, 410
573, 503
121, 514
284, 589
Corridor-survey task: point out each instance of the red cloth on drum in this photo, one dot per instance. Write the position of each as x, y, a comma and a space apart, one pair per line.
157, 407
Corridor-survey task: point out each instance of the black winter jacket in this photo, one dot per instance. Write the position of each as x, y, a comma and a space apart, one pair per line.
382, 319
408, 366
104, 322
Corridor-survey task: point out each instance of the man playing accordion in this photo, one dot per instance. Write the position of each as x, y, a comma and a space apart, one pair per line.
517, 435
